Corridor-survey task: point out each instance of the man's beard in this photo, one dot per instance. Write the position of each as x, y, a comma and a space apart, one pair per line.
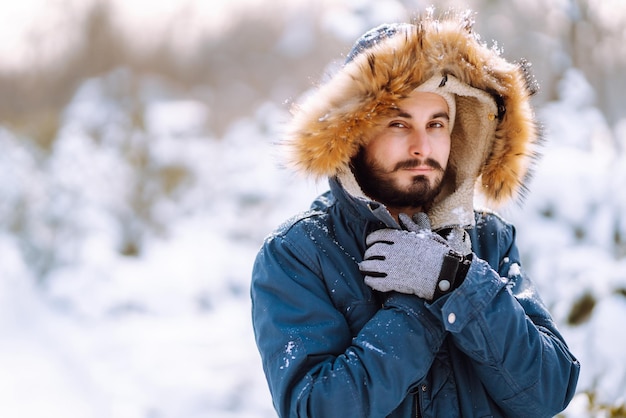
378, 183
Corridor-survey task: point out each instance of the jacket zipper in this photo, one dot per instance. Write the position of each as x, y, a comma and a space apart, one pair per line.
417, 406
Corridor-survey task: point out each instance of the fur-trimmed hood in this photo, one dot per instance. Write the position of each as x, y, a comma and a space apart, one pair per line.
494, 137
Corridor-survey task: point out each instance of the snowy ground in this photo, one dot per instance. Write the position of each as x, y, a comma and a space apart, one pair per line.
167, 333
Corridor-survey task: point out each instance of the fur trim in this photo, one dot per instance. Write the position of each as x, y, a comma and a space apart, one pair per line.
329, 127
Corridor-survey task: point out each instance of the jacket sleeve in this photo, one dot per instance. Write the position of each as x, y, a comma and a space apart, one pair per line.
498, 320
313, 364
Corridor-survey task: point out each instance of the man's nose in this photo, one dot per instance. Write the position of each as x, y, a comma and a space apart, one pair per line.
419, 144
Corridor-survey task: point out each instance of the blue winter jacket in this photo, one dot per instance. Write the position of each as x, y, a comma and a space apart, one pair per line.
333, 347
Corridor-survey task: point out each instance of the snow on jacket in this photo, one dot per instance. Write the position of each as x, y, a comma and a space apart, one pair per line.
333, 347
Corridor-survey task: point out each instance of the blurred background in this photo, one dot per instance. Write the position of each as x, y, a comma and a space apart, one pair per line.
139, 176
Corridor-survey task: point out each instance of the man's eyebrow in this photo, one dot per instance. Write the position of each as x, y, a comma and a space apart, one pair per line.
443, 115
403, 114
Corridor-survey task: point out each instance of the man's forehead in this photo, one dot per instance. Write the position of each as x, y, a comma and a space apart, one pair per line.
432, 102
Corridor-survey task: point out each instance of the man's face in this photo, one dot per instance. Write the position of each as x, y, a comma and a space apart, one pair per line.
403, 165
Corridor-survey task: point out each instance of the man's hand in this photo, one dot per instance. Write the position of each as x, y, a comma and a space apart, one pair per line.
413, 261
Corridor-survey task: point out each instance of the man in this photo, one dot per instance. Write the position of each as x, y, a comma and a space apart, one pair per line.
359, 308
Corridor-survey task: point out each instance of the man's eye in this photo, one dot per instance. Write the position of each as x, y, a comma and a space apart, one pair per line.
436, 124
397, 125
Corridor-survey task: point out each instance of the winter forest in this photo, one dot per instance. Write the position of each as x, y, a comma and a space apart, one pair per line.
139, 174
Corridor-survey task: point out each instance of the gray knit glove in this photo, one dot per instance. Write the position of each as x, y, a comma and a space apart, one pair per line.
458, 239
413, 261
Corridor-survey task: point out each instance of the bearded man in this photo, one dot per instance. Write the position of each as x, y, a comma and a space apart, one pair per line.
393, 296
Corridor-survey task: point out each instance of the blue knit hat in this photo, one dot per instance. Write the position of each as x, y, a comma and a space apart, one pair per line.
374, 36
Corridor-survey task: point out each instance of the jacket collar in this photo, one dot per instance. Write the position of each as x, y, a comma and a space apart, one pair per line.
361, 207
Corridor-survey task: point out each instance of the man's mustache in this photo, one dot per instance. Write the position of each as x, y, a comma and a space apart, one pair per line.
414, 163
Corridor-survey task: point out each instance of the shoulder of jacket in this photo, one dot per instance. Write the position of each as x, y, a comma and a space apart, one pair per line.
488, 216
302, 223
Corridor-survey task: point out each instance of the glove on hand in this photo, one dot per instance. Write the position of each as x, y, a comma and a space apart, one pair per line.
413, 261
458, 239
